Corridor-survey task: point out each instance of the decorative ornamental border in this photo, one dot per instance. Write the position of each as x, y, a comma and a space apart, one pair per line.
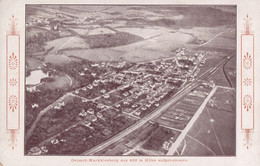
12, 82
247, 82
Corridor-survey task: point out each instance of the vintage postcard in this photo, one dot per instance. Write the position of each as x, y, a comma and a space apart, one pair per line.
129, 82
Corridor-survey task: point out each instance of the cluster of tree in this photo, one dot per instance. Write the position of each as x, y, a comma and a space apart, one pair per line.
43, 99
41, 37
186, 62
118, 124
192, 16
157, 138
111, 40
78, 140
174, 83
205, 17
35, 42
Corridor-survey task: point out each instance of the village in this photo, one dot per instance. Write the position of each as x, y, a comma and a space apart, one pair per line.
128, 94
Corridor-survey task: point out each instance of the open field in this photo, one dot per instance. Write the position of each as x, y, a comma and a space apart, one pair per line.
153, 48
32, 64
227, 140
203, 132
165, 42
191, 147
203, 33
146, 32
66, 43
223, 100
119, 149
59, 82
80, 31
98, 54
117, 24
98, 31
57, 59
222, 42
31, 31
208, 136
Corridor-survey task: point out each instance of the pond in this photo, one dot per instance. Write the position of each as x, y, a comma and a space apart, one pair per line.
35, 77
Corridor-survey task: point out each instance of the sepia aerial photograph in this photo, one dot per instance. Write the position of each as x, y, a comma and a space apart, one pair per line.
130, 80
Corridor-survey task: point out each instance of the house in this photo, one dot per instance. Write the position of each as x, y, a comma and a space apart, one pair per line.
81, 73
90, 111
130, 99
117, 105
89, 86
135, 96
63, 140
31, 88
35, 105
103, 91
44, 149
101, 106
35, 151
137, 113
126, 103
106, 132
145, 90
125, 94
134, 105
178, 50
95, 84
151, 101
94, 64
83, 113
132, 90
191, 59
99, 115
93, 118
59, 105
118, 80
86, 123
156, 104
104, 80
54, 141
106, 96
166, 145
121, 74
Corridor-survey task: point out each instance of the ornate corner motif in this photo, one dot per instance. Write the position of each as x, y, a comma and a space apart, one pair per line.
247, 25
248, 138
13, 25
13, 139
